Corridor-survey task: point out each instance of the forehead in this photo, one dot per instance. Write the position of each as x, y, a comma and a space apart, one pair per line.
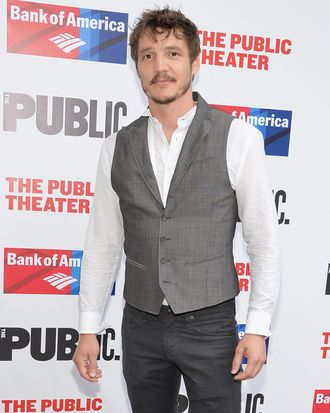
149, 39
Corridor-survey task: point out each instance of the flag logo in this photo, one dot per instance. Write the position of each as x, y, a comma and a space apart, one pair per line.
67, 42
59, 280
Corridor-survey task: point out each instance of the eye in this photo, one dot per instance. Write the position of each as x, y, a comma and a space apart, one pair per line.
147, 56
173, 53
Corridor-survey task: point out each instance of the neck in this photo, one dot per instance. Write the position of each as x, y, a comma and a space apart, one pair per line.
168, 114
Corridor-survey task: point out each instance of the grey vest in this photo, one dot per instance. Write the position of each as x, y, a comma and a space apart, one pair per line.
182, 250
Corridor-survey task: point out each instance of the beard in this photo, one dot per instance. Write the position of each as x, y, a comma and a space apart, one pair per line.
167, 99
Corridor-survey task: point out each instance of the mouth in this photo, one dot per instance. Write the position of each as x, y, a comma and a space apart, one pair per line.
162, 80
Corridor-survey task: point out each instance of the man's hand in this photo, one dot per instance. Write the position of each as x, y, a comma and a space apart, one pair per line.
85, 357
253, 347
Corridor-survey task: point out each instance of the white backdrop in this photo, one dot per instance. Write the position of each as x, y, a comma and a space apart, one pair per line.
39, 321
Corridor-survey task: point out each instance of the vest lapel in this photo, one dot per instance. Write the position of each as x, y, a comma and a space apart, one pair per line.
196, 133
140, 151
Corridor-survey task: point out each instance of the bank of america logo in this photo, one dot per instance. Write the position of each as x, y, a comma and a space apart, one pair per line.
274, 124
67, 42
59, 280
66, 32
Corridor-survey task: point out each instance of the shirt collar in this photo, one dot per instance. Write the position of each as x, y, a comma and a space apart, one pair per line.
183, 121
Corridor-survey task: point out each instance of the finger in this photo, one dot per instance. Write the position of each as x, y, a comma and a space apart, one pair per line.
252, 369
98, 373
92, 368
82, 366
258, 368
238, 358
247, 374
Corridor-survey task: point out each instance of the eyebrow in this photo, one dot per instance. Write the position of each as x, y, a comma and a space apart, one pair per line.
144, 50
167, 48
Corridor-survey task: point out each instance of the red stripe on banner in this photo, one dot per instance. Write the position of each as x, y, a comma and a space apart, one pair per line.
29, 29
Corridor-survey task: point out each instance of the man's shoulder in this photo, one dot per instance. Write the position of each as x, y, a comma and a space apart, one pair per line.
220, 115
207, 110
140, 121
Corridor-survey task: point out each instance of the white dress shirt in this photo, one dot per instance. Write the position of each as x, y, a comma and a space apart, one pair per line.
256, 209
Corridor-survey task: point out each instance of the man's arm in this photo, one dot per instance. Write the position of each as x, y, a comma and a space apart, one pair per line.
101, 260
247, 171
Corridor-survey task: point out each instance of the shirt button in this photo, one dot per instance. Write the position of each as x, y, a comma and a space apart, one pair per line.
163, 239
163, 260
164, 218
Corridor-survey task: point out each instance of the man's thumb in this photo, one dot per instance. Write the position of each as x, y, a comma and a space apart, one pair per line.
92, 368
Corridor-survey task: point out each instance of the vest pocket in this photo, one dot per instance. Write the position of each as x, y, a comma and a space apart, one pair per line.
135, 264
205, 259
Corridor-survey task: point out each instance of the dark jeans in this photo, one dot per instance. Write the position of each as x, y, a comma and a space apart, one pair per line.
199, 345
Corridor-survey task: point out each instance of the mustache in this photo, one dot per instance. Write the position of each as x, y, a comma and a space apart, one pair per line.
162, 76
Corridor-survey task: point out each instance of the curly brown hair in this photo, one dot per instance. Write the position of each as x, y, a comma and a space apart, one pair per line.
161, 21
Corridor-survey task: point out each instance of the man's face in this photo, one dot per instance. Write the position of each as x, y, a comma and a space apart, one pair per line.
164, 67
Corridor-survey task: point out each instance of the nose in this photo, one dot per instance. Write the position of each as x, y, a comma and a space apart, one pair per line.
160, 63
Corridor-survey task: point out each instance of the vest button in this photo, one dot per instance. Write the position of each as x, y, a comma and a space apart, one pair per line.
164, 218
163, 239
163, 260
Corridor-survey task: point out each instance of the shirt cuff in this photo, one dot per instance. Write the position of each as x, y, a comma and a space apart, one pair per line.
90, 323
258, 323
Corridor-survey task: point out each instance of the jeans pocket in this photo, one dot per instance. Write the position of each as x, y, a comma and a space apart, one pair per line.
129, 317
219, 320
222, 329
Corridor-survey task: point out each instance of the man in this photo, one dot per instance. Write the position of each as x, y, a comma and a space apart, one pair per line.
171, 186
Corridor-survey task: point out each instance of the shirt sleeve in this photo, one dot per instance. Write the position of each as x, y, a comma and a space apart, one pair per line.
103, 246
256, 209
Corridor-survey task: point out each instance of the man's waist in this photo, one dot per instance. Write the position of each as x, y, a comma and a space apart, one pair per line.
166, 310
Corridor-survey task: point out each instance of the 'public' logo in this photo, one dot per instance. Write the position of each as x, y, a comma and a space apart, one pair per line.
327, 288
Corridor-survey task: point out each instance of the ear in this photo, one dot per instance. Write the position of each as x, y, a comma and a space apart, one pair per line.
195, 65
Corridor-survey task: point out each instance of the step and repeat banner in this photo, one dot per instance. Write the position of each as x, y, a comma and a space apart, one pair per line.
67, 82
